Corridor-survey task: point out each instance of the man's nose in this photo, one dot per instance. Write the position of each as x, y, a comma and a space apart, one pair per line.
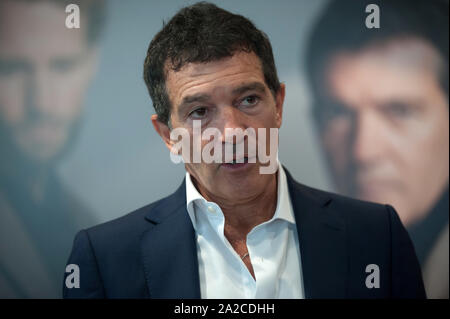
39, 91
232, 118
368, 138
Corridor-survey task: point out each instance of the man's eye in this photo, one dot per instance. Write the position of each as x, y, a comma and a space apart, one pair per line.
198, 113
330, 112
249, 100
63, 65
10, 68
398, 110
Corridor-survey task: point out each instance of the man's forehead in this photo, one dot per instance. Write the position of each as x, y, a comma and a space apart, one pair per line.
239, 61
403, 54
381, 74
240, 65
28, 28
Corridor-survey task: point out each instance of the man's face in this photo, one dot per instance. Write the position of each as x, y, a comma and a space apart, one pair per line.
388, 138
44, 72
228, 93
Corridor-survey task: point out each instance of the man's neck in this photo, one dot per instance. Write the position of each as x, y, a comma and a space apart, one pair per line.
242, 215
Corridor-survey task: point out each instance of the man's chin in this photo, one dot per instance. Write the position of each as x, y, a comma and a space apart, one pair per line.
41, 150
35, 150
245, 180
43, 154
387, 196
374, 195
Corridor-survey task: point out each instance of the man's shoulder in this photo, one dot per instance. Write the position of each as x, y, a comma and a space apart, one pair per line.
366, 225
348, 204
131, 226
350, 210
123, 223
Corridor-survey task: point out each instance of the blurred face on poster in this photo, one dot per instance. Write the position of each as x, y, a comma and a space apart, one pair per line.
45, 69
385, 127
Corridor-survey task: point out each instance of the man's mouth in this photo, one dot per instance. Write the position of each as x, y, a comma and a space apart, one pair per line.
236, 163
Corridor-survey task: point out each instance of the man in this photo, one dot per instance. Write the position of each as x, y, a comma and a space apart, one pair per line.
381, 108
45, 69
230, 231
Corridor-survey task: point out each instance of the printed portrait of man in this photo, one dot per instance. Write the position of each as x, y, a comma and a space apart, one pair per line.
382, 114
45, 71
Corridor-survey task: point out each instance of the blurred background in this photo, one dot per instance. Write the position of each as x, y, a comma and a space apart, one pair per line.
77, 145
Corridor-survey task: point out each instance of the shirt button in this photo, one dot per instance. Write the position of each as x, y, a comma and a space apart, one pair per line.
211, 209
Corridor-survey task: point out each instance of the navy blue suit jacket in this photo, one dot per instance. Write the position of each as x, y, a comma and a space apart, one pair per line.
152, 252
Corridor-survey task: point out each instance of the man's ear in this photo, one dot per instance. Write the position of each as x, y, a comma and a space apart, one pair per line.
163, 130
279, 101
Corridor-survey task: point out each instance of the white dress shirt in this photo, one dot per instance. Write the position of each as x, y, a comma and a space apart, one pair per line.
273, 248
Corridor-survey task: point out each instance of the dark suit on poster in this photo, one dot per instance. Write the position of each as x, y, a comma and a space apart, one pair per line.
152, 252
36, 237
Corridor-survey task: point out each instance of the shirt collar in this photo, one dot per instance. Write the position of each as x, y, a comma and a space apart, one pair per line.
283, 209
192, 196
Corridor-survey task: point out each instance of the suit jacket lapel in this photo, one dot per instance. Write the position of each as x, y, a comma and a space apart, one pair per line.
169, 250
321, 234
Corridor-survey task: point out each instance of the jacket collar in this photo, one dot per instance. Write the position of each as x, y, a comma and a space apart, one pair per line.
169, 248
